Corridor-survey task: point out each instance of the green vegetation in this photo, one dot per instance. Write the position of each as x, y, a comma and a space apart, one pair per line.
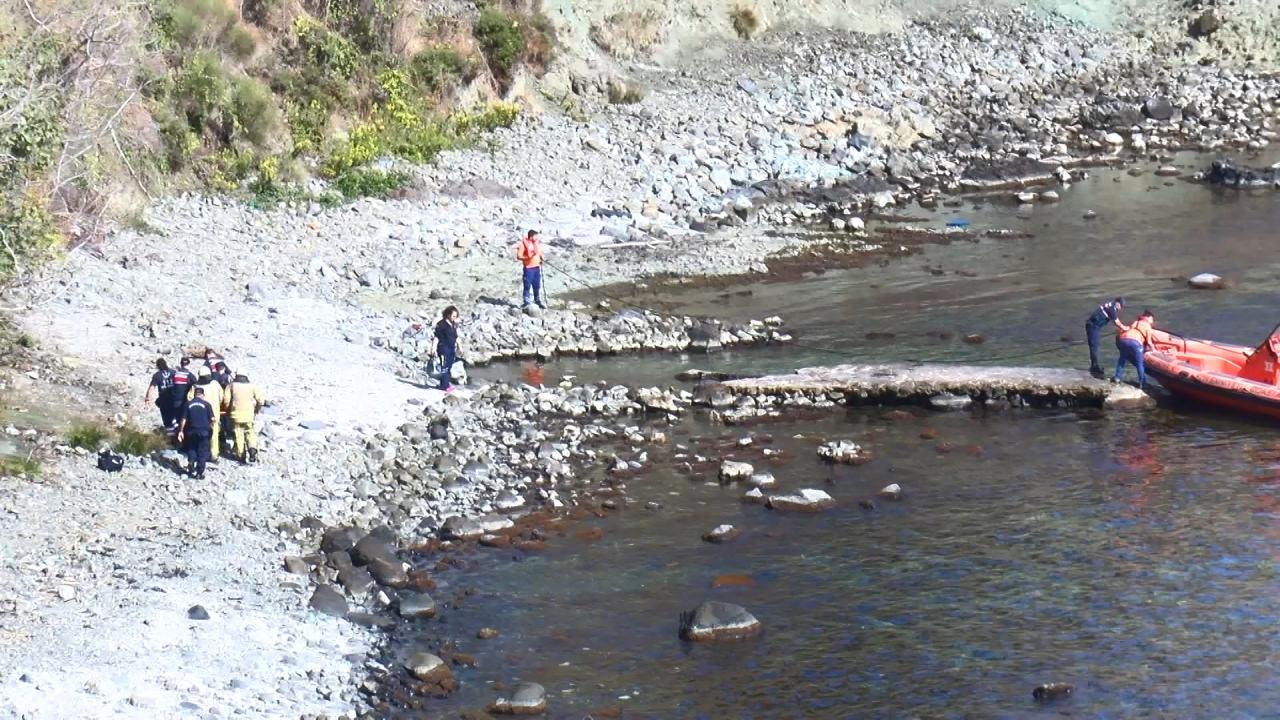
11, 466
132, 441
745, 21
249, 98
87, 436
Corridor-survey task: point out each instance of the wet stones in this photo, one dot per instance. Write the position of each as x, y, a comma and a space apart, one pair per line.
892, 491
1052, 691
843, 451
427, 667
526, 699
328, 601
806, 500
1206, 281
754, 496
460, 528
720, 534
714, 620
949, 402
762, 480
733, 471
416, 605
487, 633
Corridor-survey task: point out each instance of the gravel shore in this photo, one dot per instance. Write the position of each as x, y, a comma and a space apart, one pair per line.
101, 571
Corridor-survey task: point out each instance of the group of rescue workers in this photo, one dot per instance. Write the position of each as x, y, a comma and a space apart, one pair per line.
206, 410
1132, 340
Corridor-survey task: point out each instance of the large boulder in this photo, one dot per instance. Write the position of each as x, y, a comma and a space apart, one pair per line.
806, 500
715, 620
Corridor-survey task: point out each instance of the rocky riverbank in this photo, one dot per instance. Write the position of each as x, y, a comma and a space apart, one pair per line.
318, 305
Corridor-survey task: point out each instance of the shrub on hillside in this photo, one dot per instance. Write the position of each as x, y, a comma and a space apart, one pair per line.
439, 67
501, 40
745, 21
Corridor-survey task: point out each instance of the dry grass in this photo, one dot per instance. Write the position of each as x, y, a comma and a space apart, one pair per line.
745, 21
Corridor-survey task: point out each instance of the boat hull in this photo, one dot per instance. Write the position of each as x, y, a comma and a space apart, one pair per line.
1206, 373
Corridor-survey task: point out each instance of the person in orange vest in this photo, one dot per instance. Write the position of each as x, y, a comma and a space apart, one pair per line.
529, 251
1132, 342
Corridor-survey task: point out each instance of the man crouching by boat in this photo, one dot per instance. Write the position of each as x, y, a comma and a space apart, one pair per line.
1132, 342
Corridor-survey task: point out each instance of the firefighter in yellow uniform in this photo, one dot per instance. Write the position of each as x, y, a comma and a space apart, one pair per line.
246, 401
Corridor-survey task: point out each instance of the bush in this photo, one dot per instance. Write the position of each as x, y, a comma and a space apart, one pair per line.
369, 183
501, 40
241, 42
745, 21
439, 67
253, 110
87, 436
11, 466
132, 441
200, 91
326, 49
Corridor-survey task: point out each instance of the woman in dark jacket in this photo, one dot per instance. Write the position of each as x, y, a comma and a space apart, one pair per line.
447, 346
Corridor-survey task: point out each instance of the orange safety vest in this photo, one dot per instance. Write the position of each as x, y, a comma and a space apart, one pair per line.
529, 252
1140, 330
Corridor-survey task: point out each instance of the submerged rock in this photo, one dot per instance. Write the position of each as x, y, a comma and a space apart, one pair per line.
1207, 281
950, 402
892, 491
806, 500
762, 480
527, 699
1052, 691
720, 534
416, 605
715, 620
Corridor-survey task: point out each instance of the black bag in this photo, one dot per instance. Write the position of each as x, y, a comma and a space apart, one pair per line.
110, 462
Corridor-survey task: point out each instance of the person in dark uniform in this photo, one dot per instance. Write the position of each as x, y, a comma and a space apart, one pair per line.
447, 346
195, 431
183, 380
160, 390
1106, 313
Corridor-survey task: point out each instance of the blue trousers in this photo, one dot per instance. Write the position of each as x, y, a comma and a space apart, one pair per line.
533, 286
198, 451
1092, 331
448, 356
1131, 352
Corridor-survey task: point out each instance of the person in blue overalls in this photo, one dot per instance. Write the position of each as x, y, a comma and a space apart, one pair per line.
1108, 313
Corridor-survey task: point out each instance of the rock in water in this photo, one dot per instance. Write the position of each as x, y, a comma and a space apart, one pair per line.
527, 699
892, 491
1207, 281
720, 534
1052, 691
762, 480
843, 451
731, 471
754, 497
714, 620
416, 605
460, 528
950, 402
807, 500
425, 666
329, 601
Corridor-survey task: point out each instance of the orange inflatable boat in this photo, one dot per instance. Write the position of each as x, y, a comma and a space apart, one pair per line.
1232, 377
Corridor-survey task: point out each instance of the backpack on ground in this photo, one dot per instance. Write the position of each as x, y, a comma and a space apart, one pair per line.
110, 462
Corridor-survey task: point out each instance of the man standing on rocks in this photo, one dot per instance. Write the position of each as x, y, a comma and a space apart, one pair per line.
447, 346
1107, 313
246, 401
195, 431
159, 391
529, 250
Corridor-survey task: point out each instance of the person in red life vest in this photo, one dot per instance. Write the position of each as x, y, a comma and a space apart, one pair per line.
1132, 342
529, 251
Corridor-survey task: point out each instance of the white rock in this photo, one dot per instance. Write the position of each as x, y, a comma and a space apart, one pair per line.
1207, 281
733, 471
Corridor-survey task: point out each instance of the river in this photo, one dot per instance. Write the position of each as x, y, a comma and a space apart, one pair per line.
1131, 554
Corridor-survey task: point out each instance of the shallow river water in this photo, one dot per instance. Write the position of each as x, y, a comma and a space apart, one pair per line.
1132, 554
